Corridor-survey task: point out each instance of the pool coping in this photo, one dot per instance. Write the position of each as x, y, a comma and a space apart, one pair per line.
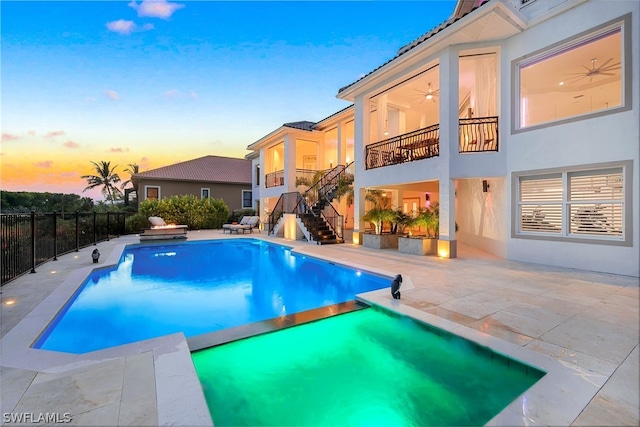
557, 398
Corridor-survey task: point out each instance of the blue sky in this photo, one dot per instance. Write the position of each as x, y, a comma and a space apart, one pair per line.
157, 82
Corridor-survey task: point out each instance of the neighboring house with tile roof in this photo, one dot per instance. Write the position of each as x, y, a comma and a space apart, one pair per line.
218, 177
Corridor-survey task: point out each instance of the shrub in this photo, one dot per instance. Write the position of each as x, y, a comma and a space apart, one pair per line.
187, 210
136, 223
239, 213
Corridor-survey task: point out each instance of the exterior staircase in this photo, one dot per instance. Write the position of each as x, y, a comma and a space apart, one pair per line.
314, 209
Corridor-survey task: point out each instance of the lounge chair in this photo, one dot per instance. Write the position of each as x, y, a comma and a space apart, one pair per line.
249, 225
157, 222
228, 227
161, 230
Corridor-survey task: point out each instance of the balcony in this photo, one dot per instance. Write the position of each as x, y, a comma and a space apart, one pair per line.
274, 179
475, 135
417, 145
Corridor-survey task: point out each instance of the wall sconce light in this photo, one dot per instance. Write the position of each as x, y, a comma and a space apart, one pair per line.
330, 163
426, 197
485, 186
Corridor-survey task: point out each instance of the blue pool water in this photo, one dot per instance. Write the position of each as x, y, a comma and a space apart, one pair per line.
196, 288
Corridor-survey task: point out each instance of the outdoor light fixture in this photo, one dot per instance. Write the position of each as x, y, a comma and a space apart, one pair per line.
485, 186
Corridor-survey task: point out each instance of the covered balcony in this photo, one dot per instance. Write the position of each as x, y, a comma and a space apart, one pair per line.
399, 117
475, 135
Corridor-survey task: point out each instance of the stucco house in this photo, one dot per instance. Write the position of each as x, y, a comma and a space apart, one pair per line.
218, 177
520, 117
287, 163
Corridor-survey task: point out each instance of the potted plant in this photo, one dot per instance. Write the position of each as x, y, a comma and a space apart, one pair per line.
378, 215
426, 244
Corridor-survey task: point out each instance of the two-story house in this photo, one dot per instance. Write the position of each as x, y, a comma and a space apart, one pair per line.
519, 117
524, 115
299, 165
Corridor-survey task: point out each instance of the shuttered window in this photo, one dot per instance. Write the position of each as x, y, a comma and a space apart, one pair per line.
573, 204
541, 204
596, 203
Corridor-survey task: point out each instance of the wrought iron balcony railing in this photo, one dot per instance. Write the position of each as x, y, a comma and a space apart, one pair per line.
475, 135
478, 134
409, 147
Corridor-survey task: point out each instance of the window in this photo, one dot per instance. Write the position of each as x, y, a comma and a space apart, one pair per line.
574, 79
577, 204
247, 197
152, 193
204, 193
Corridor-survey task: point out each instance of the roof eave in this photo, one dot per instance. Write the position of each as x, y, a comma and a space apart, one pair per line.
440, 38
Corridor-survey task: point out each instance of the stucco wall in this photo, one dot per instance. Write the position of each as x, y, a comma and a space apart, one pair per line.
482, 217
230, 193
606, 138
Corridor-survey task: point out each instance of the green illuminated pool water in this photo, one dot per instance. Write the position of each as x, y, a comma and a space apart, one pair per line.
363, 368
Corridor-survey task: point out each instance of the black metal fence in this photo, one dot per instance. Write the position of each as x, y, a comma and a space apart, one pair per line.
31, 239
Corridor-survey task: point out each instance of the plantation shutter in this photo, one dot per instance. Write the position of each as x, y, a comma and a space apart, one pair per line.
540, 204
596, 203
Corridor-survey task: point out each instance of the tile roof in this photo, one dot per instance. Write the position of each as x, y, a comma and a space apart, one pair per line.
205, 169
304, 125
406, 48
315, 125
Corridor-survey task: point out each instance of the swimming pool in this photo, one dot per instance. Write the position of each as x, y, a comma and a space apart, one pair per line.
370, 367
196, 288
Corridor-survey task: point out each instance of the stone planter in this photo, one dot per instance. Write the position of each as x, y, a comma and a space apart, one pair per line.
380, 241
417, 245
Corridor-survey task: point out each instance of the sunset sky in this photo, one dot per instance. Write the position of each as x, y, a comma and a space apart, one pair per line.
158, 82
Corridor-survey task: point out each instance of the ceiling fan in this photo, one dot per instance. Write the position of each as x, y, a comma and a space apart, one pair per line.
430, 94
594, 71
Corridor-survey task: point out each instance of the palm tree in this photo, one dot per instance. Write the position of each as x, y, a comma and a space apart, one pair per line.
106, 178
381, 211
132, 169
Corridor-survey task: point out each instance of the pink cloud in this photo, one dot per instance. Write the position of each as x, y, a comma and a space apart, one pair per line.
155, 8
121, 26
172, 93
118, 150
112, 94
45, 164
32, 133
69, 174
9, 137
54, 134
71, 144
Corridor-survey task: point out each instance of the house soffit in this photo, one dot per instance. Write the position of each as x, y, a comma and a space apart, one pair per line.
495, 23
278, 136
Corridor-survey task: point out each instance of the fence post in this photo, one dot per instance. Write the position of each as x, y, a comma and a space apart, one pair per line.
33, 241
55, 236
118, 224
108, 215
77, 231
95, 228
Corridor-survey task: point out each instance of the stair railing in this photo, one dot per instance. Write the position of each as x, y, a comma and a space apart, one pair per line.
288, 203
334, 219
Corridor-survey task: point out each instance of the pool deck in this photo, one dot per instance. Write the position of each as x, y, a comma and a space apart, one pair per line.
582, 327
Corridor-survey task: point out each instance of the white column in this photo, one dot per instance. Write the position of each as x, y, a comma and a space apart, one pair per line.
449, 82
289, 163
341, 145
361, 139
